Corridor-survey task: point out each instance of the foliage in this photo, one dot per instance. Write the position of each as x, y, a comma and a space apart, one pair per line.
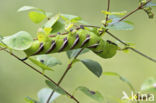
19, 41
45, 62
121, 78
93, 66
55, 87
92, 94
43, 95
65, 23
149, 85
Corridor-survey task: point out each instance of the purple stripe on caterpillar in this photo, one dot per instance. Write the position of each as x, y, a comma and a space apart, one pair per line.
64, 44
40, 49
98, 51
85, 41
76, 41
53, 45
94, 45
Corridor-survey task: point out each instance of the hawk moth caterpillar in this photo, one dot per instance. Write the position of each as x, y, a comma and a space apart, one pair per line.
80, 38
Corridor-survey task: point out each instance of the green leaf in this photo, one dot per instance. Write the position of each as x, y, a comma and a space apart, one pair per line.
36, 17
19, 41
93, 66
47, 31
92, 94
55, 87
59, 26
52, 21
83, 22
30, 100
26, 8
1, 42
56, 24
122, 25
68, 26
48, 60
72, 18
31, 8
73, 53
44, 94
119, 13
120, 77
149, 85
1, 37
40, 64
114, 13
48, 14
150, 4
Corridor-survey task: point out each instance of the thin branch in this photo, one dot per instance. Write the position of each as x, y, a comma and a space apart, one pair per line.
108, 7
116, 38
92, 26
47, 77
2, 49
64, 74
132, 12
136, 51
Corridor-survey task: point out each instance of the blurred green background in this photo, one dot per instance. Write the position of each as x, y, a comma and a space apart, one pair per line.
18, 81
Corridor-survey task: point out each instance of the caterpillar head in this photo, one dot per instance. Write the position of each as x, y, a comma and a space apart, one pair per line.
111, 49
108, 49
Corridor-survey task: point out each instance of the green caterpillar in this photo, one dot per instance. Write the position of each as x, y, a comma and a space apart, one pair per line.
80, 38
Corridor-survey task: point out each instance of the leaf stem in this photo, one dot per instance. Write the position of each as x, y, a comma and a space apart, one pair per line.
47, 77
64, 74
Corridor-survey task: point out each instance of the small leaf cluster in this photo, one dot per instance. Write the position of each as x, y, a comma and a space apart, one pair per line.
148, 8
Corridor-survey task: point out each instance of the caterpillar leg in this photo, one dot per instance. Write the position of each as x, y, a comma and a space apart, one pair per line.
24, 59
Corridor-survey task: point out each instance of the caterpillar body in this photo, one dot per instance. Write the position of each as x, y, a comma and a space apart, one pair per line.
80, 38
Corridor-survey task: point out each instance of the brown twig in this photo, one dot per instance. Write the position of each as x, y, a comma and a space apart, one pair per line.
2, 49
132, 12
137, 51
64, 74
108, 7
47, 77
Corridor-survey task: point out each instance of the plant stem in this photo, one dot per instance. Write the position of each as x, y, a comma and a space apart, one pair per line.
132, 12
64, 74
47, 77
2, 49
137, 51
108, 7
